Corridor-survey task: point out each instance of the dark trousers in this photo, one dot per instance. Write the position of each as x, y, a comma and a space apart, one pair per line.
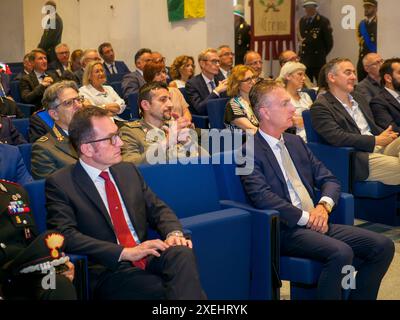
172, 276
361, 74
29, 287
313, 72
370, 253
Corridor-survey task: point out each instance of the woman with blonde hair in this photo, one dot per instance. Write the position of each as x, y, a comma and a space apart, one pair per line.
75, 60
181, 70
239, 113
293, 76
97, 93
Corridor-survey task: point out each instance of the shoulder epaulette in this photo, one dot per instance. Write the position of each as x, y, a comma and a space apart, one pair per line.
42, 139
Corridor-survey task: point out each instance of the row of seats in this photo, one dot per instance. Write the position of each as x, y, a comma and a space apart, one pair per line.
237, 246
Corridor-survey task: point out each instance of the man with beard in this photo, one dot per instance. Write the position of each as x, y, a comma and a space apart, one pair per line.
161, 134
367, 35
344, 119
386, 105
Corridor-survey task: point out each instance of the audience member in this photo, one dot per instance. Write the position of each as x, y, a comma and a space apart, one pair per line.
371, 85
40, 123
75, 62
155, 72
182, 69
344, 119
293, 75
132, 82
54, 150
12, 166
61, 64
161, 133
28, 67
288, 56
111, 66
285, 177
104, 208
8, 133
239, 113
226, 56
253, 59
386, 105
89, 55
32, 86
207, 85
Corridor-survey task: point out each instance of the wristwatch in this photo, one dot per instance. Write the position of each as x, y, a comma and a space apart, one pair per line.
326, 205
175, 233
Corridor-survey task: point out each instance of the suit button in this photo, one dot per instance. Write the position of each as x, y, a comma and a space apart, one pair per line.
3, 246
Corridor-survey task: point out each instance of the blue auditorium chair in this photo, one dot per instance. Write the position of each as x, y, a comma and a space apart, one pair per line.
235, 253
117, 86
302, 273
216, 111
374, 201
200, 122
26, 153
22, 125
15, 93
115, 77
26, 108
133, 105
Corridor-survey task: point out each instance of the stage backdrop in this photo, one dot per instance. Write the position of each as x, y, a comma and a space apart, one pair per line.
273, 26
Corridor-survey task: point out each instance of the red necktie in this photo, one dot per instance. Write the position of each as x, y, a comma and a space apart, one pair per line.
121, 228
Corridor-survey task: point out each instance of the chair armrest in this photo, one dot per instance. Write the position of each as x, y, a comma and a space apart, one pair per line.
26, 108
343, 213
200, 121
81, 280
337, 159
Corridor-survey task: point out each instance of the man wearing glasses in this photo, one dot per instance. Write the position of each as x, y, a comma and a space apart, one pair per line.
104, 207
226, 60
371, 85
54, 151
208, 84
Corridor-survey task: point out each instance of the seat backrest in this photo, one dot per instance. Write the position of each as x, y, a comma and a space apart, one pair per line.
216, 112
26, 108
183, 91
36, 191
15, 93
115, 77
188, 189
312, 135
133, 105
22, 125
26, 153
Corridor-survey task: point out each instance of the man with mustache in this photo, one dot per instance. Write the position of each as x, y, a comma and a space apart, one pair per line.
344, 119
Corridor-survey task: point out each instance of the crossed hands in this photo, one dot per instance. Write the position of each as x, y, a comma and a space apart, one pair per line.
318, 220
179, 130
386, 137
153, 247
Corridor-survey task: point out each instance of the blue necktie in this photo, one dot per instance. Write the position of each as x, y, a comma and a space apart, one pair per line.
212, 84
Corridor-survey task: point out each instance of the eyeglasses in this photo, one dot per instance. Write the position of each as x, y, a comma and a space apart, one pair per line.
293, 59
70, 102
63, 52
214, 61
159, 60
226, 54
250, 79
376, 63
114, 139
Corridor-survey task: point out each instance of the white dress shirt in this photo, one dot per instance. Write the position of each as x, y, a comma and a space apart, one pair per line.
208, 82
99, 99
100, 186
274, 144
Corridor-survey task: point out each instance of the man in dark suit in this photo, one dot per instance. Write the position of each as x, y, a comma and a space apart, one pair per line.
367, 32
344, 119
12, 166
103, 207
28, 67
284, 178
32, 86
386, 105
88, 56
132, 82
111, 66
371, 85
52, 32
8, 133
206, 85
61, 64
316, 40
226, 56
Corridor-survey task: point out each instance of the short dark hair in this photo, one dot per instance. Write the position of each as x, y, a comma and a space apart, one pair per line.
151, 69
331, 67
102, 46
141, 52
32, 54
387, 68
80, 129
145, 91
260, 92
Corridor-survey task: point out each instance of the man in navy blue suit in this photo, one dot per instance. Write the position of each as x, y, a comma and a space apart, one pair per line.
208, 84
111, 66
285, 177
12, 166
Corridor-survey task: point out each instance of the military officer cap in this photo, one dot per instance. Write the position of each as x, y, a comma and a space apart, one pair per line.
45, 252
370, 3
310, 3
238, 10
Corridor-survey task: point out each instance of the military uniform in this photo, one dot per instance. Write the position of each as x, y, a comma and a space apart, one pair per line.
372, 30
316, 41
242, 41
17, 244
52, 152
142, 144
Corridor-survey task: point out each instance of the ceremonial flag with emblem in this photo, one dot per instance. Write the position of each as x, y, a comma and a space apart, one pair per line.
185, 9
4, 68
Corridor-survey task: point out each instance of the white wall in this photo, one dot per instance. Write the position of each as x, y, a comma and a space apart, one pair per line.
388, 29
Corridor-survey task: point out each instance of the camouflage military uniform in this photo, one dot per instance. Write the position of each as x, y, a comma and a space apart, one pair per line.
142, 144
52, 152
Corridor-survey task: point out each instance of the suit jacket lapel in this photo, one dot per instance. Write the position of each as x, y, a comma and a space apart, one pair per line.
87, 187
204, 86
339, 107
34, 80
391, 100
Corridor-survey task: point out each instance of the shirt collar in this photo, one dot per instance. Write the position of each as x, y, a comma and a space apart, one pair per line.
140, 71
206, 79
38, 75
272, 141
352, 101
394, 93
91, 171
